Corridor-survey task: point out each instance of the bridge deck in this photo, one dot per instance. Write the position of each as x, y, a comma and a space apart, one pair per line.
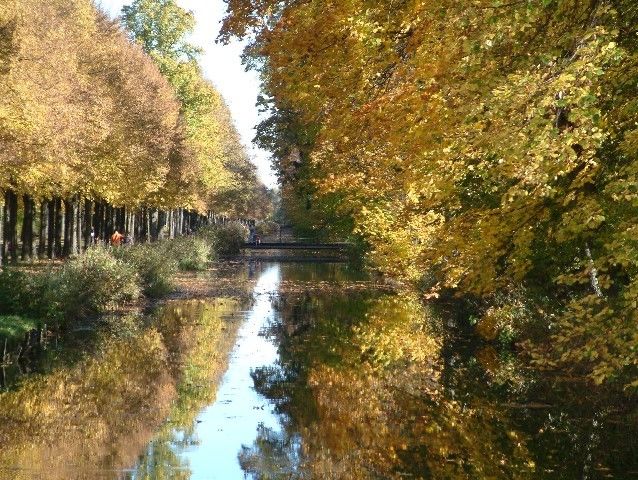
295, 246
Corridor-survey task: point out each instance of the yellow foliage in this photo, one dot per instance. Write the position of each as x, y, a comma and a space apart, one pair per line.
478, 142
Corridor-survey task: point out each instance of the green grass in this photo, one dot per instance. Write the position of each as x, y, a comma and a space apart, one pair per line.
15, 326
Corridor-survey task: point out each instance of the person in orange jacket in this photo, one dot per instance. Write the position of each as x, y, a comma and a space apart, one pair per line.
116, 239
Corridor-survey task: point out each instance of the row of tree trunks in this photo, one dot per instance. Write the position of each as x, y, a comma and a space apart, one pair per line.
64, 227
2, 216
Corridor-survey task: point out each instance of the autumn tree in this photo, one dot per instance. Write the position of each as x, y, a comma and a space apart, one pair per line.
474, 146
219, 170
99, 135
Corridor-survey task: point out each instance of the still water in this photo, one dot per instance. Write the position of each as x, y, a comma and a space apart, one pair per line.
233, 419
328, 377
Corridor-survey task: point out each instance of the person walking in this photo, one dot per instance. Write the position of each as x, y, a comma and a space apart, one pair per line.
116, 239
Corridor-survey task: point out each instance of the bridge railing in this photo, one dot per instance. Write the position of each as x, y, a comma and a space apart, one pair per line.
299, 240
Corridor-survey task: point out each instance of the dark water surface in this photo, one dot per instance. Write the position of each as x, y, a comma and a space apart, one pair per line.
328, 378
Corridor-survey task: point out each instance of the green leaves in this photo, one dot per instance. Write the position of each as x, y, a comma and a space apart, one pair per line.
161, 27
214, 170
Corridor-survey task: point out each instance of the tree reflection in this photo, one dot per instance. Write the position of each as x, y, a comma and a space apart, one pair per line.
274, 455
372, 386
94, 417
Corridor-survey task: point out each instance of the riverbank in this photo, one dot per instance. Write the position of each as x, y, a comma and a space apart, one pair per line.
141, 371
39, 300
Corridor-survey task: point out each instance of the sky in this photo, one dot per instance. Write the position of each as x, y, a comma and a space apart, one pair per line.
222, 65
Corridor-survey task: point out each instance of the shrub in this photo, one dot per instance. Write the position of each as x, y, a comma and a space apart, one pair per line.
211, 237
191, 253
152, 264
93, 283
26, 293
13, 286
230, 238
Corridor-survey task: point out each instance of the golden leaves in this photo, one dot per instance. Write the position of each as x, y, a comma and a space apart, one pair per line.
478, 145
86, 111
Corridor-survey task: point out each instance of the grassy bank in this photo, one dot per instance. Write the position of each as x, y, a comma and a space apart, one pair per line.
102, 280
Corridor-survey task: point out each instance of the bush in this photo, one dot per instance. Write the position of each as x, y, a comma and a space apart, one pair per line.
210, 236
89, 284
152, 264
13, 287
230, 238
27, 294
191, 253
93, 283
103, 278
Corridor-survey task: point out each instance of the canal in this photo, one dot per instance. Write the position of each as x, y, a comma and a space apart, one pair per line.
318, 373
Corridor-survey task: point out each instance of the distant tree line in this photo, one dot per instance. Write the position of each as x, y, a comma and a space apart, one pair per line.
97, 134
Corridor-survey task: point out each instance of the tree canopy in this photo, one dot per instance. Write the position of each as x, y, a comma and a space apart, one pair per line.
219, 168
472, 145
86, 112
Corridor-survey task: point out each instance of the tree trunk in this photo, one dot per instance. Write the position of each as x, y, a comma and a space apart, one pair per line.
117, 221
129, 229
109, 226
43, 228
100, 228
2, 243
27, 227
51, 229
143, 225
69, 214
96, 221
11, 224
58, 227
147, 225
154, 224
161, 224
137, 232
130, 226
593, 273
123, 220
88, 222
77, 227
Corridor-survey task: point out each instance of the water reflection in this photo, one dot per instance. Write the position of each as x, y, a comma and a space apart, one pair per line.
91, 414
220, 429
329, 378
370, 385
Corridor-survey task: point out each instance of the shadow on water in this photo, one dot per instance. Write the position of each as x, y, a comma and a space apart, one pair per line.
329, 377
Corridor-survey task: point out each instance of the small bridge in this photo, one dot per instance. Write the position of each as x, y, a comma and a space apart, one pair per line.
296, 250
339, 246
